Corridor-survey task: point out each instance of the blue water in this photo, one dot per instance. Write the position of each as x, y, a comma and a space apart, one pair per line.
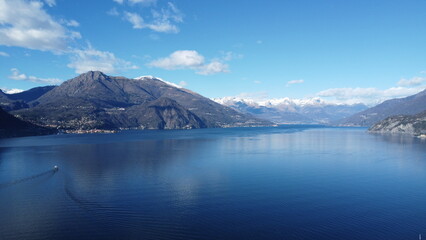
294, 182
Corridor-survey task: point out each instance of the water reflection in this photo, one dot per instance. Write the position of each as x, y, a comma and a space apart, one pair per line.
270, 183
400, 139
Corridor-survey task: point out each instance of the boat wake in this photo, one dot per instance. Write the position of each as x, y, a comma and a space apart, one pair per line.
49, 172
82, 203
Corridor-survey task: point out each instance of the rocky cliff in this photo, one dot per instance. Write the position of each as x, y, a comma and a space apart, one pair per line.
402, 124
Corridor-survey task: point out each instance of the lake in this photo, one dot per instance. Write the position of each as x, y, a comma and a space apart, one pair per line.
288, 182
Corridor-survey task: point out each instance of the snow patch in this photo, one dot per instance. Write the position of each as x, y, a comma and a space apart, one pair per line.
148, 77
274, 102
12, 91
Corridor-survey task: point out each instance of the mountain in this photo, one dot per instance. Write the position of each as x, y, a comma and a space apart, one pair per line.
286, 110
400, 106
5, 102
11, 126
165, 113
406, 124
31, 94
16, 101
97, 101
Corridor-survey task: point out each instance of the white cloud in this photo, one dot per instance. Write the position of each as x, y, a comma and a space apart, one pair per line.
50, 3
3, 54
368, 96
26, 24
183, 83
415, 81
91, 59
16, 75
213, 68
135, 20
113, 12
154, 37
144, 2
72, 23
228, 56
11, 91
164, 27
298, 81
190, 59
257, 82
163, 21
179, 60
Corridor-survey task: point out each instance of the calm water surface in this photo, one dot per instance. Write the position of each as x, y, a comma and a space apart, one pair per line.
293, 182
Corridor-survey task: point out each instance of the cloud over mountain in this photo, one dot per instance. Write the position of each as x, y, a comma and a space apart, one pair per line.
414, 81
16, 75
91, 59
369, 96
190, 59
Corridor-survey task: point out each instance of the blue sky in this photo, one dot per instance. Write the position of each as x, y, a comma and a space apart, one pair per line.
341, 51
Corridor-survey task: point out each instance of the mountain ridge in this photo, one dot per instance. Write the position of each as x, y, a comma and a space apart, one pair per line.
292, 111
95, 100
398, 106
16, 101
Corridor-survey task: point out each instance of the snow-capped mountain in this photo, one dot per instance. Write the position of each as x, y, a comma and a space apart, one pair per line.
287, 110
94, 100
159, 79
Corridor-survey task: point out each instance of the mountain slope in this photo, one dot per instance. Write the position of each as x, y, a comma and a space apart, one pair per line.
5, 102
286, 110
11, 126
401, 106
95, 100
31, 94
406, 124
16, 101
165, 113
